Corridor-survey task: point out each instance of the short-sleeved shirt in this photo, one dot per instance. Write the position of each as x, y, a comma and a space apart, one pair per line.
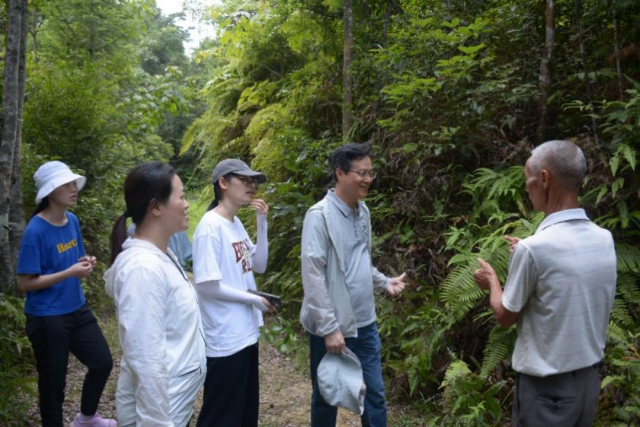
47, 249
562, 281
222, 251
354, 229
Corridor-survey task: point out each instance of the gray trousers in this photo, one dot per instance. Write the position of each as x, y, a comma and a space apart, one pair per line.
564, 400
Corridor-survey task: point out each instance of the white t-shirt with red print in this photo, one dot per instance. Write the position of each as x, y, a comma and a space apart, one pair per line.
222, 251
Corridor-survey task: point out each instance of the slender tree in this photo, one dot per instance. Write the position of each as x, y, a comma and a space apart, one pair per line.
347, 81
545, 69
10, 118
616, 34
16, 213
37, 19
383, 42
585, 66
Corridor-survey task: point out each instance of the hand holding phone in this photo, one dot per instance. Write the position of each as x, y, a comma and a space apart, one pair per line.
274, 300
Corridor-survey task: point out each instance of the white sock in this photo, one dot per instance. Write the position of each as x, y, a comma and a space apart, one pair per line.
84, 417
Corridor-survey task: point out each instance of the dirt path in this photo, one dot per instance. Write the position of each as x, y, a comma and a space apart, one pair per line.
285, 393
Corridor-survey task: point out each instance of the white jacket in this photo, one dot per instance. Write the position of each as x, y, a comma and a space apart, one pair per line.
163, 349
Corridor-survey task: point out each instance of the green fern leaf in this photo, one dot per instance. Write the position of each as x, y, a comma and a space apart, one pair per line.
617, 335
628, 258
499, 346
457, 369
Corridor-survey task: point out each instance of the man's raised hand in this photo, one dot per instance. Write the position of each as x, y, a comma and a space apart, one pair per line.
484, 275
396, 285
513, 242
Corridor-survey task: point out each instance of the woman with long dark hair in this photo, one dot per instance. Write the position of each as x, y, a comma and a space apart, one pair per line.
51, 263
224, 259
163, 350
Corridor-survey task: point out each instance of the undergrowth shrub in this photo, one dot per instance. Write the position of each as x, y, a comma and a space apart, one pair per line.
17, 387
448, 96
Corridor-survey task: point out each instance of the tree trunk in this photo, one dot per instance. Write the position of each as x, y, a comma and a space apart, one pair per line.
545, 69
585, 65
92, 33
385, 28
9, 133
616, 33
16, 213
34, 34
347, 82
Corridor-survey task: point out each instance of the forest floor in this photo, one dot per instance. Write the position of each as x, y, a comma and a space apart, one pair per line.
285, 392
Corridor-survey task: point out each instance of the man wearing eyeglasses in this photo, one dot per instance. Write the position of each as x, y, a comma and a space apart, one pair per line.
339, 279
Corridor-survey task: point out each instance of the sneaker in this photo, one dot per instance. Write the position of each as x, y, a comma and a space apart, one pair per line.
95, 421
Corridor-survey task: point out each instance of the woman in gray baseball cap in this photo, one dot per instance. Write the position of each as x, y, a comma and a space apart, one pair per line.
224, 259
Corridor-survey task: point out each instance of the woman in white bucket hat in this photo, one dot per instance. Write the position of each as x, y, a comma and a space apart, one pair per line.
51, 263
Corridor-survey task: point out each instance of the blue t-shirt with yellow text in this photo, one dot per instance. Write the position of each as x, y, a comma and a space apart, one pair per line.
47, 249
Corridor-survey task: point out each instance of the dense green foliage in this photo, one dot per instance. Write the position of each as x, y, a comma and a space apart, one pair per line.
14, 360
107, 88
447, 92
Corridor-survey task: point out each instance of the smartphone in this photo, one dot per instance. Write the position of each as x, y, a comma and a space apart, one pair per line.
274, 300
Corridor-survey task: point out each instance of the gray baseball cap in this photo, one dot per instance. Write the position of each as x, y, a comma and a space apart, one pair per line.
237, 167
341, 382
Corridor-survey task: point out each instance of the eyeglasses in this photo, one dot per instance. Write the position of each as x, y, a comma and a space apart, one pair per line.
248, 181
363, 174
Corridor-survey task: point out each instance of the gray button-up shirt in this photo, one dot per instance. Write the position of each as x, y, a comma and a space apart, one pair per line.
562, 281
354, 229
327, 297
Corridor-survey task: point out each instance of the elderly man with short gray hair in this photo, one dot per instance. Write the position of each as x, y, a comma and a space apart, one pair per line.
560, 290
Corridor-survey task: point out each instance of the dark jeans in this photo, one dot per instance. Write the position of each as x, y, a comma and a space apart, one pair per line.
569, 399
231, 390
52, 338
367, 347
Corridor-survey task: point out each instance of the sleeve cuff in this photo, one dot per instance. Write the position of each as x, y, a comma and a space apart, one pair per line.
382, 285
39, 273
511, 307
333, 331
207, 278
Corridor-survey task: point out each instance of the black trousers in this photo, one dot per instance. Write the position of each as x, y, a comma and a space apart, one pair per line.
569, 399
52, 338
231, 390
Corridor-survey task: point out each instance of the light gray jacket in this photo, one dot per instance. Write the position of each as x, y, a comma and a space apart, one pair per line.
327, 303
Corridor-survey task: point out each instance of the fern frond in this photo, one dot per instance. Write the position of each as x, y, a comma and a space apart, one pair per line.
620, 313
622, 414
457, 369
630, 365
627, 287
498, 347
628, 258
462, 258
617, 335
495, 388
459, 291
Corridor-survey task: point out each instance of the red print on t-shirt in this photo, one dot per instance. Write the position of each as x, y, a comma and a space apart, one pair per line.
243, 254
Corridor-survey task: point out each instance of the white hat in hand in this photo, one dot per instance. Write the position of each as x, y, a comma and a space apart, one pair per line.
340, 381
